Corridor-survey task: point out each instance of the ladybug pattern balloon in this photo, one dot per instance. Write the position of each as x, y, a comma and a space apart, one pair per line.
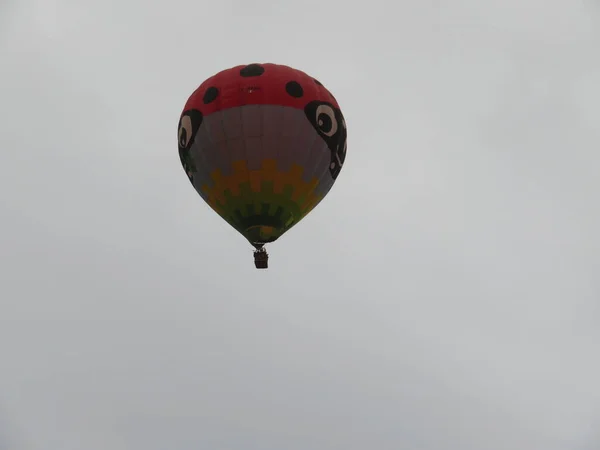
262, 144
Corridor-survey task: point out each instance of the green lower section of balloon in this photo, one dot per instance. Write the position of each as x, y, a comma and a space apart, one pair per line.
264, 203
261, 216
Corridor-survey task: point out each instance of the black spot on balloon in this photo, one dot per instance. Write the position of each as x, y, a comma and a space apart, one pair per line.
210, 95
317, 82
252, 70
294, 89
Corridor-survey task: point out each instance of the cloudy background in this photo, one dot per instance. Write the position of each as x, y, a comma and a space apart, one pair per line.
444, 296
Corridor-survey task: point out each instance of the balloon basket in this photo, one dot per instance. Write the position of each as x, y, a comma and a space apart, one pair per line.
261, 259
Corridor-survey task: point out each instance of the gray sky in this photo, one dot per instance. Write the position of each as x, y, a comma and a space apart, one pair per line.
444, 296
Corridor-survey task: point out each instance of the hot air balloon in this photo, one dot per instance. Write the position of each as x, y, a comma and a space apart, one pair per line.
262, 144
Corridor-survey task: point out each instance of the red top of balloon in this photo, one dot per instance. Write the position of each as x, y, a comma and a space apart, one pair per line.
258, 84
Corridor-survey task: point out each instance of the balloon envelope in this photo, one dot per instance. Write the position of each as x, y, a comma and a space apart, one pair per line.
262, 144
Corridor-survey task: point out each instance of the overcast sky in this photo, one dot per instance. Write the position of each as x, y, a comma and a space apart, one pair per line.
445, 295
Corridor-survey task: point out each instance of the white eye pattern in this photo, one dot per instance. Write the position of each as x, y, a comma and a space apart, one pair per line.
326, 121
185, 131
